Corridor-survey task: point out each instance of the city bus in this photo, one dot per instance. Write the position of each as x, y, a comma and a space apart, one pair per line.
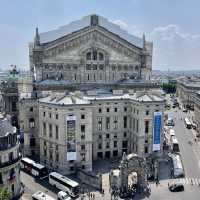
34, 168
174, 144
177, 165
41, 196
188, 124
65, 184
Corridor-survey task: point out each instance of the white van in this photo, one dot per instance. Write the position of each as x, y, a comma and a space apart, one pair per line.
41, 196
63, 196
170, 122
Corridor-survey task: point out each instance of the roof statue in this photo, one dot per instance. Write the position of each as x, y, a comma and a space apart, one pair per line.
37, 38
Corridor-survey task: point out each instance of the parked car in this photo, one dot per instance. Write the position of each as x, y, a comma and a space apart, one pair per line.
176, 187
170, 122
194, 125
63, 196
185, 110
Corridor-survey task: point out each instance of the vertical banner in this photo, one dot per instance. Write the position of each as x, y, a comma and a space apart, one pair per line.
71, 137
157, 121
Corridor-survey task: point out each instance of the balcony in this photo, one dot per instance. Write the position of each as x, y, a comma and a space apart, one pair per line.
10, 162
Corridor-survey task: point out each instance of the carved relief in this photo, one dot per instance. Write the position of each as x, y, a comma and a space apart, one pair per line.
93, 36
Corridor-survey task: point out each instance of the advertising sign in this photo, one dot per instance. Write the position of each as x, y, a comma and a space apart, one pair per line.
71, 137
157, 122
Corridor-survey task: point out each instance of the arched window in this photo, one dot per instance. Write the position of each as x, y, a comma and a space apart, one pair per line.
88, 56
101, 57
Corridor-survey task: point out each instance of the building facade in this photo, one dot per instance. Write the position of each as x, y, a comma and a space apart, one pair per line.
185, 91
9, 158
65, 133
103, 126
89, 96
90, 50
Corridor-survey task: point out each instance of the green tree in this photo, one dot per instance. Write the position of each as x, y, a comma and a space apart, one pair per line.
4, 194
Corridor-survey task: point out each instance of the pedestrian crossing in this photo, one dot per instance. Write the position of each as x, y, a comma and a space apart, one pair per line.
187, 181
184, 181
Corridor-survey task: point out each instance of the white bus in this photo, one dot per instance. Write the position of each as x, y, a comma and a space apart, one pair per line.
65, 184
41, 196
174, 144
178, 167
34, 168
188, 124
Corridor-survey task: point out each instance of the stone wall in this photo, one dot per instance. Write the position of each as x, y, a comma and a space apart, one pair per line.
90, 179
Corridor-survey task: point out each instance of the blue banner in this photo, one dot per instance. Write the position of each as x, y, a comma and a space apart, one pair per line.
157, 131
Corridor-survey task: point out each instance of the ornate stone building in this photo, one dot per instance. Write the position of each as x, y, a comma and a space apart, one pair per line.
9, 158
83, 103
90, 50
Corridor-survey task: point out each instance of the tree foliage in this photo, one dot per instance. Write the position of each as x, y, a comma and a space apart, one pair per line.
169, 87
4, 194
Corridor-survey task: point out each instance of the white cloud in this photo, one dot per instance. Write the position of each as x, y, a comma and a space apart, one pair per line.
121, 23
173, 47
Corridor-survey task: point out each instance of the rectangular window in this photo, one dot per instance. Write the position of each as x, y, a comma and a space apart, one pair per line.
82, 147
125, 121
115, 144
146, 126
44, 128
125, 134
49, 115
115, 109
50, 130
108, 109
56, 116
99, 120
44, 114
147, 112
137, 125
57, 157
124, 144
100, 110
99, 146
82, 128
107, 122
82, 116
125, 109
146, 149
107, 145
57, 132
115, 122
107, 136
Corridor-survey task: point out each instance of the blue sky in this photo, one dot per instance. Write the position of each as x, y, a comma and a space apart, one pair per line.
173, 26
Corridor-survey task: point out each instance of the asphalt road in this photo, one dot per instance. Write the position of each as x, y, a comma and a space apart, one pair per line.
190, 152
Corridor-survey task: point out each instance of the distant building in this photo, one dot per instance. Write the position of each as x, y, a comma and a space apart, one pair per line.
185, 90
